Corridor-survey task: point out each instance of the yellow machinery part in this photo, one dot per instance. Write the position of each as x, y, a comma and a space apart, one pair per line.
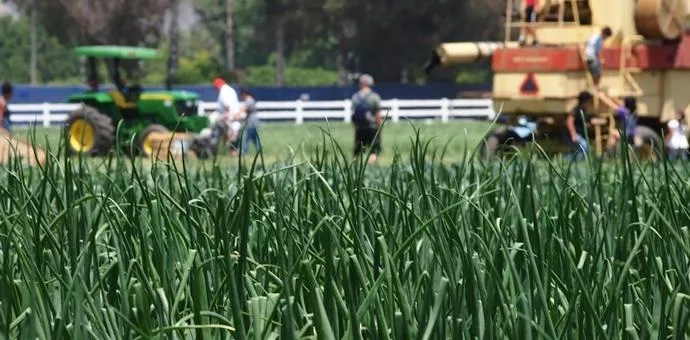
467, 52
661, 19
82, 137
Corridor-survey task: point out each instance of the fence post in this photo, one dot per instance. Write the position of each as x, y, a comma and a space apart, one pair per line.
46, 114
299, 118
395, 110
347, 110
445, 109
491, 110
200, 109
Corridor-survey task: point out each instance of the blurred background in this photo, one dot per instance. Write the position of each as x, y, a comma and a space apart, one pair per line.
294, 47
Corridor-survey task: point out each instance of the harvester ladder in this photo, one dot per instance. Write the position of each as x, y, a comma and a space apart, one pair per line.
597, 122
626, 79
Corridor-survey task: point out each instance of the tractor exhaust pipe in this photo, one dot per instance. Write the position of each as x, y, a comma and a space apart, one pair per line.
463, 53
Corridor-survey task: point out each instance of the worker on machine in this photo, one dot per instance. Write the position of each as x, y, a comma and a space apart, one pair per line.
530, 18
228, 107
593, 54
576, 123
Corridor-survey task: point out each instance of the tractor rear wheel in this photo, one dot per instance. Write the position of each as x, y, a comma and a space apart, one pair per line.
89, 132
146, 142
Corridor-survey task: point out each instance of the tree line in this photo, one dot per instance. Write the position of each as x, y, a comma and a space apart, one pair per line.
257, 42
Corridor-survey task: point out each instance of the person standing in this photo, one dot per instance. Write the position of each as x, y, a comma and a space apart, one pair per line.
228, 106
251, 127
626, 116
593, 53
677, 138
7, 92
530, 19
366, 118
576, 123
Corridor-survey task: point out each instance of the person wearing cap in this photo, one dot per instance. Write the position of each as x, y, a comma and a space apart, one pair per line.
677, 137
7, 92
228, 107
367, 104
576, 123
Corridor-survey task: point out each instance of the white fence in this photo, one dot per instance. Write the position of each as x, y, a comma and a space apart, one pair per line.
51, 114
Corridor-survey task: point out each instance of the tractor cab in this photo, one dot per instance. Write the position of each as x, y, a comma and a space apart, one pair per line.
126, 105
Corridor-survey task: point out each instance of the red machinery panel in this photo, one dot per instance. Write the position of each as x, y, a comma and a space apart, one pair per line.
567, 59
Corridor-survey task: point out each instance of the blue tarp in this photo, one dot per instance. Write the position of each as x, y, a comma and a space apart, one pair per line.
27, 94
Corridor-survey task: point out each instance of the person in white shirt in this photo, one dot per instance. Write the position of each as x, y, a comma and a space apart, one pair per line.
228, 107
593, 53
677, 138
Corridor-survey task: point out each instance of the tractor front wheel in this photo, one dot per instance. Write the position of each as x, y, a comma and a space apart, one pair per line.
146, 140
498, 142
89, 132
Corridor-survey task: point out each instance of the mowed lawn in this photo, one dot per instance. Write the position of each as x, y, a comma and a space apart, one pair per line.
283, 141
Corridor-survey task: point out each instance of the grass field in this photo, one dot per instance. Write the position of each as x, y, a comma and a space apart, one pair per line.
324, 248
290, 141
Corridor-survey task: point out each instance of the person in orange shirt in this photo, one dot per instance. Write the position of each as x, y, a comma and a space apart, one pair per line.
530, 19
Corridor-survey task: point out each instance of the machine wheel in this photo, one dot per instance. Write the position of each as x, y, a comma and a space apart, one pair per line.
498, 141
648, 143
145, 143
89, 132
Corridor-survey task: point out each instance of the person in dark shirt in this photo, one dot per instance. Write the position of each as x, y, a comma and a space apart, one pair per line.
367, 132
576, 124
251, 129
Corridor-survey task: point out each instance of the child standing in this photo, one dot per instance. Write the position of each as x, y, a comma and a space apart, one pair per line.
530, 19
251, 129
677, 139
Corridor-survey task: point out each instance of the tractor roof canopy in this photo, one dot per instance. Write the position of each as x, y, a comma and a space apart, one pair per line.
120, 52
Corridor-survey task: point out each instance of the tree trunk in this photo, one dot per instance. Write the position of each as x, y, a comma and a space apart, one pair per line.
32, 57
342, 58
280, 51
229, 36
174, 43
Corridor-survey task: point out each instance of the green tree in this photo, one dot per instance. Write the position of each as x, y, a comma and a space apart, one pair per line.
54, 61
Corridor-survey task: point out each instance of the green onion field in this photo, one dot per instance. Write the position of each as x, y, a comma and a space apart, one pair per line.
428, 245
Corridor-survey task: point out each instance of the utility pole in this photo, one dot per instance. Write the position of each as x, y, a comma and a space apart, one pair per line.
280, 50
32, 33
229, 36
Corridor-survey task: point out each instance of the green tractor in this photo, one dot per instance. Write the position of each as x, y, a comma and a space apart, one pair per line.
90, 130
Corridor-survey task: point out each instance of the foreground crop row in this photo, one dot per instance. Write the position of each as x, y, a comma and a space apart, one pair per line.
336, 250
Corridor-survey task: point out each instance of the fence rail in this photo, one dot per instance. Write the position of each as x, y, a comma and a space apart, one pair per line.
52, 114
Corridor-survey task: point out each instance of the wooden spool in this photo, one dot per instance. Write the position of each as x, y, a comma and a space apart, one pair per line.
660, 19
12, 148
164, 144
